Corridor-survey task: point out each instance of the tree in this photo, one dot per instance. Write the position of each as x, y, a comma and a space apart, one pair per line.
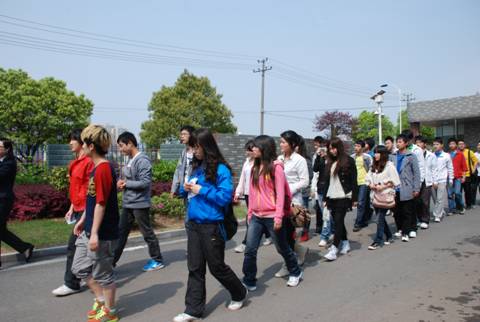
35, 112
367, 126
193, 101
426, 131
335, 123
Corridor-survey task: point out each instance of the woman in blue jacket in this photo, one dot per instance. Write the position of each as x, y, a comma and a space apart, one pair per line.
209, 190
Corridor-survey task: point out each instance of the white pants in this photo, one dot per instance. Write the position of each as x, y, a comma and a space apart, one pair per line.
439, 197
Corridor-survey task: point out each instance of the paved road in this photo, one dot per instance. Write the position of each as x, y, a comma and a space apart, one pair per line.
432, 278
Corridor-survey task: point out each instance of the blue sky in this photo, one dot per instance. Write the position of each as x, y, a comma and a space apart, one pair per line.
324, 54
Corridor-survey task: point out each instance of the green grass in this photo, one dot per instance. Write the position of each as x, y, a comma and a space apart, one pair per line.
55, 232
41, 232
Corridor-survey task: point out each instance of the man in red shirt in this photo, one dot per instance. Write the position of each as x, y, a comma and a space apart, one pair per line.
455, 201
78, 173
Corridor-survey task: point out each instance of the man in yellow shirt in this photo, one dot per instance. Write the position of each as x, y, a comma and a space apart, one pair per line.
363, 162
468, 186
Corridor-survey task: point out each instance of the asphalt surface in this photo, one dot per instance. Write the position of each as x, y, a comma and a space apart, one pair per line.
434, 277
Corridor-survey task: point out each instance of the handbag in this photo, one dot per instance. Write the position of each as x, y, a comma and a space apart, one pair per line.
230, 222
384, 200
300, 216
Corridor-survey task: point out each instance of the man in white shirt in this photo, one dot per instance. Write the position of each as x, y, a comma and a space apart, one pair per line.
444, 176
430, 168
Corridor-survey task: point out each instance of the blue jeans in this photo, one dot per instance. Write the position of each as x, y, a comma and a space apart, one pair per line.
279, 238
382, 226
362, 206
328, 225
455, 202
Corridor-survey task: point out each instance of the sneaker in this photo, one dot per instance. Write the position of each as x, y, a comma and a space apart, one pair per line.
293, 281
105, 315
240, 248
304, 237
184, 317
462, 212
373, 246
250, 288
97, 306
267, 242
302, 252
28, 253
437, 219
345, 247
64, 290
424, 225
405, 238
153, 265
237, 305
413, 234
332, 253
398, 233
389, 241
322, 243
283, 272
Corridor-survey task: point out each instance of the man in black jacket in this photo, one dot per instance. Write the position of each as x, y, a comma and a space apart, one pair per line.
8, 171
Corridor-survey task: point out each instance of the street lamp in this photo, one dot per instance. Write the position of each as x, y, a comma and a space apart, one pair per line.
378, 98
399, 104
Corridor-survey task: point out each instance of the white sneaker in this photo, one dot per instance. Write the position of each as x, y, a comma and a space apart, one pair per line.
345, 247
412, 234
267, 242
424, 225
184, 317
437, 219
237, 305
322, 243
398, 233
332, 253
302, 252
249, 288
293, 281
64, 290
240, 248
405, 238
283, 272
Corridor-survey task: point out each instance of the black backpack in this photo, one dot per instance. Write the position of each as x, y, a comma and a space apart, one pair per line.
230, 221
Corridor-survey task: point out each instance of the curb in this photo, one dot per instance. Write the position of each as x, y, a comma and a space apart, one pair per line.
55, 251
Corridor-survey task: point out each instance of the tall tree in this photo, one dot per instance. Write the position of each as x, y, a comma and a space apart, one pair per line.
335, 123
192, 100
367, 126
34, 112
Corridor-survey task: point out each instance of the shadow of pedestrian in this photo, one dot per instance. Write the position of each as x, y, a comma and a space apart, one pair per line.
141, 300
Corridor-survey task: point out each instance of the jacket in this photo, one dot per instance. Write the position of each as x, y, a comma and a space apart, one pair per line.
208, 205
271, 199
459, 164
348, 179
431, 168
296, 172
409, 175
471, 160
444, 168
79, 175
319, 167
389, 174
243, 186
138, 182
418, 152
183, 169
8, 172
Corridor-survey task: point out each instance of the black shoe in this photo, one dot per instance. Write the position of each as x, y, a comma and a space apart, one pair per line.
28, 253
373, 246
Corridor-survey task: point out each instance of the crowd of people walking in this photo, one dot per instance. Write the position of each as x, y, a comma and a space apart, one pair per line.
402, 177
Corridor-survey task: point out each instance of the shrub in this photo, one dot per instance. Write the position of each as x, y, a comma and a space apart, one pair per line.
163, 171
163, 205
38, 201
58, 178
160, 187
31, 174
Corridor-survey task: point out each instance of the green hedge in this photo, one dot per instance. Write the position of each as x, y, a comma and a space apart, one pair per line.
163, 171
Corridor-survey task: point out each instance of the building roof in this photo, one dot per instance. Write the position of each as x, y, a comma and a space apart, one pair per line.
461, 107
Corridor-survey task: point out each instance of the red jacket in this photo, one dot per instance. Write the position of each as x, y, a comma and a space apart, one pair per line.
79, 174
459, 164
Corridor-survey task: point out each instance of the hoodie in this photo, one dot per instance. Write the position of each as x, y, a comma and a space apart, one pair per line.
138, 177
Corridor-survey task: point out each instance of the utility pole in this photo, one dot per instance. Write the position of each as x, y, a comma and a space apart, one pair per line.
378, 98
262, 70
407, 98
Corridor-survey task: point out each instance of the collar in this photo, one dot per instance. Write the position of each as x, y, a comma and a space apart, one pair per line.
1, 159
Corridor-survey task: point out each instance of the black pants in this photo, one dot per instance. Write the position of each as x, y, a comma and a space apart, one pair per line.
423, 203
7, 236
244, 241
142, 217
404, 213
206, 246
339, 208
468, 190
319, 217
70, 279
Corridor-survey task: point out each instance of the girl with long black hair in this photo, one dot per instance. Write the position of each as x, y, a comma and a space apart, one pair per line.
341, 192
209, 190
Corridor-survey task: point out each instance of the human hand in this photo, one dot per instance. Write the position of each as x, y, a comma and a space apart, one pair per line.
277, 226
196, 188
187, 186
93, 242
69, 214
77, 230
235, 198
416, 194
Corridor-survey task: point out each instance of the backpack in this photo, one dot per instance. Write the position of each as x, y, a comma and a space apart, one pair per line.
230, 222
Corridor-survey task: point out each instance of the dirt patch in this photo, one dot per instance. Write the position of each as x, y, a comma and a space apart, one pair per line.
473, 240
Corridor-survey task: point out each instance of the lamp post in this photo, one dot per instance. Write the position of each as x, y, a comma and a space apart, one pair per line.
399, 104
378, 98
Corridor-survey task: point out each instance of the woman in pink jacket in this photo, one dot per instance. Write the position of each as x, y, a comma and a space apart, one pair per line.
269, 204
